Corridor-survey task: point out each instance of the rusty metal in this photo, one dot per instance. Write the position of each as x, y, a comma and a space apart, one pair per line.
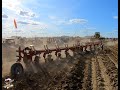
57, 50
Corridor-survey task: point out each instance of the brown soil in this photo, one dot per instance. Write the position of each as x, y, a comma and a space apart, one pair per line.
87, 72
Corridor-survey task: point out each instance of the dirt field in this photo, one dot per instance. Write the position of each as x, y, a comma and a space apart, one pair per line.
94, 71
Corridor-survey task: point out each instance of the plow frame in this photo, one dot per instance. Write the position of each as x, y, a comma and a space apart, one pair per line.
22, 53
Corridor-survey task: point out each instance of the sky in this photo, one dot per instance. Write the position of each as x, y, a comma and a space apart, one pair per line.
59, 17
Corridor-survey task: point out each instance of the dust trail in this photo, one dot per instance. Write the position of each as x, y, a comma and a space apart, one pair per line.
33, 67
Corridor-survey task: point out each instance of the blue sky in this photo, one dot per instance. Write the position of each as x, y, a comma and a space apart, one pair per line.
60, 17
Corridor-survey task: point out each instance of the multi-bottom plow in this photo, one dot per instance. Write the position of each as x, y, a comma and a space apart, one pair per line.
28, 53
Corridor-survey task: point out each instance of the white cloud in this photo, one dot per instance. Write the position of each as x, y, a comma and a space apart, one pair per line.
31, 22
11, 4
109, 33
59, 21
115, 17
28, 14
4, 16
91, 28
24, 18
115, 31
52, 17
77, 21
18, 9
22, 22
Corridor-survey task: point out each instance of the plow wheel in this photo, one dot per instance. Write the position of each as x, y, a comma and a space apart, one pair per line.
49, 58
17, 70
59, 55
36, 60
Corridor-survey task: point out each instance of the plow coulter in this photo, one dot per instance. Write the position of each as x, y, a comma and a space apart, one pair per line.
31, 56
